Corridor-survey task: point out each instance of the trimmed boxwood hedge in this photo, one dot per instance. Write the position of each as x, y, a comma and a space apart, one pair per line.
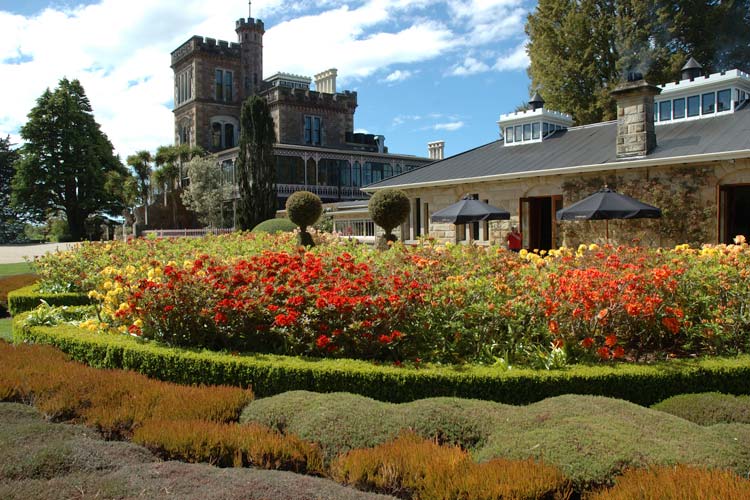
271, 374
28, 298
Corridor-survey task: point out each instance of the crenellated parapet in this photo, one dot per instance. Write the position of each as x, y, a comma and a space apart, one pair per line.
205, 45
250, 23
342, 101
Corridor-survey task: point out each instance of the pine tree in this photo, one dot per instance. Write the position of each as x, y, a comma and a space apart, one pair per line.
11, 228
140, 162
256, 164
67, 164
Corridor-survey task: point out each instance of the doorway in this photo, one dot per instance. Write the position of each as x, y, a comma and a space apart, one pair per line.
734, 212
538, 223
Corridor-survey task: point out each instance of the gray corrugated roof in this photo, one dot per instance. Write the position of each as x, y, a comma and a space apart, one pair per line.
582, 146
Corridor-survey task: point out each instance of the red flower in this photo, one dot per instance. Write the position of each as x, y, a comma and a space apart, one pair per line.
220, 318
553, 326
611, 340
168, 308
384, 339
619, 352
587, 342
671, 324
322, 341
603, 353
557, 343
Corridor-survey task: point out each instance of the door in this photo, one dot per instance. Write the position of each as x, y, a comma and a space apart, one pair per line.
734, 212
538, 223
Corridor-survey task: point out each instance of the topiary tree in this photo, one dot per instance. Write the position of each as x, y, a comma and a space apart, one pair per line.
304, 209
389, 209
273, 226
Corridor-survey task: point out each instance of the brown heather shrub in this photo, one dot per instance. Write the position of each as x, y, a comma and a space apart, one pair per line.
413, 468
229, 445
113, 401
681, 482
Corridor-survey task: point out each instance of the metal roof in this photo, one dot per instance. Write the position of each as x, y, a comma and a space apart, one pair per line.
588, 146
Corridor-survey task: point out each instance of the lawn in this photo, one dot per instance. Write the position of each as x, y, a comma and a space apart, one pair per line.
5, 329
14, 269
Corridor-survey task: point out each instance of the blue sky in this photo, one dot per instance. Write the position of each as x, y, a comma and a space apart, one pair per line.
424, 70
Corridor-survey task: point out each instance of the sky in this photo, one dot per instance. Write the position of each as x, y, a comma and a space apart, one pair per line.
424, 70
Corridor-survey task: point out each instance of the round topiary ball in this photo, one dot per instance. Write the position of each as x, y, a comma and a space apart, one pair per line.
389, 209
273, 226
304, 208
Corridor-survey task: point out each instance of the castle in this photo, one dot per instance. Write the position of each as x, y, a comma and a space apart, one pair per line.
317, 148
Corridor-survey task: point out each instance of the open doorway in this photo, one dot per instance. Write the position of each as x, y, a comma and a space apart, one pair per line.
734, 212
538, 223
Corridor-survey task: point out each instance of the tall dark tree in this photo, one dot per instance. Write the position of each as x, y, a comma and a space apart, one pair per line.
140, 162
581, 49
169, 162
11, 227
67, 163
256, 164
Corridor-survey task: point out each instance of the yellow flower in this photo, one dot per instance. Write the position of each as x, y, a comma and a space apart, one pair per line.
138, 323
523, 253
593, 247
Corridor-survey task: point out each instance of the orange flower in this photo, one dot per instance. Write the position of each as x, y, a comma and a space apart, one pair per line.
671, 324
553, 326
618, 352
587, 342
557, 343
611, 340
602, 314
603, 353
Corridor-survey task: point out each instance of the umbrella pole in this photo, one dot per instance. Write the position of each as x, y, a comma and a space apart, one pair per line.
606, 229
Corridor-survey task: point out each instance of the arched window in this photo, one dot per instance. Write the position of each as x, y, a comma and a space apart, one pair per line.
223, 132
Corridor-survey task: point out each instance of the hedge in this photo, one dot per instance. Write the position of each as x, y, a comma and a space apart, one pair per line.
28, 298
272, 374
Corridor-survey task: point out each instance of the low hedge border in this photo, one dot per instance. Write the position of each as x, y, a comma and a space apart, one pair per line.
29, 297
272, 374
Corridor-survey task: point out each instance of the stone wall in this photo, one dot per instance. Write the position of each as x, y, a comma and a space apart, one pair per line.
700, 211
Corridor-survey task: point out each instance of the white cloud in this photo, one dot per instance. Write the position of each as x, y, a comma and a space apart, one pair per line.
469, 66
450, 126
516, 59
399, 76
489, 21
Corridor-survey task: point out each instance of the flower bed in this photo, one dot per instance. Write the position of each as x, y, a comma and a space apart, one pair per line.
431, 303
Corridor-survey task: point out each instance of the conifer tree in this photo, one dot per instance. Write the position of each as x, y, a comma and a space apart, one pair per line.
11, 228
256, 164
67, 163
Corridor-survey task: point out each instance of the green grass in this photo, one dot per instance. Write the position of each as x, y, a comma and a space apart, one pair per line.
14, 269
590, 438
6, 332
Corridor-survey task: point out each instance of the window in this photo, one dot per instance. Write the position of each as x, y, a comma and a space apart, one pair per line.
709, 103
223, 85
346, 174
693, 105
227, 172
508, 134
387, 171
527, 132
517, 133
312, 130
356, 175
228, 136
535, 130
678, 108
417, 218
545, 129
216, 135
724, 100
397, 170
183, 87
665, 111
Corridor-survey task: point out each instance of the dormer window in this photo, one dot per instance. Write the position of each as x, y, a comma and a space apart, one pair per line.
532, 125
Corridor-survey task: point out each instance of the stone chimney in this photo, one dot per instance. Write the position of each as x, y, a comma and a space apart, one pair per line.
325, 82
436, 150
636, 136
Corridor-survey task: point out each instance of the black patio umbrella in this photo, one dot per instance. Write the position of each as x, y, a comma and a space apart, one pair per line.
607, 204
469, 210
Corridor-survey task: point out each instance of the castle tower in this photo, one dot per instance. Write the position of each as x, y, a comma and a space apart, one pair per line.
250, 35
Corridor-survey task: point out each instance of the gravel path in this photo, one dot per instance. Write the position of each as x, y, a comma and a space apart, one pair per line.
10, 254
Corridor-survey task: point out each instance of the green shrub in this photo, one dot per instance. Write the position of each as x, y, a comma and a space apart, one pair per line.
389, 209
273, 226
590, 438
273, 374
680, 482
304, 209
28, 298
341, 422
708, 408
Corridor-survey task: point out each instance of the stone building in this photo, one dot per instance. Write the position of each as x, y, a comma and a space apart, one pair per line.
317, 148
682, 146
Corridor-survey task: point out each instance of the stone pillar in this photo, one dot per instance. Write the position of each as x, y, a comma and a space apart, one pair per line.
636, 136
436, 150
